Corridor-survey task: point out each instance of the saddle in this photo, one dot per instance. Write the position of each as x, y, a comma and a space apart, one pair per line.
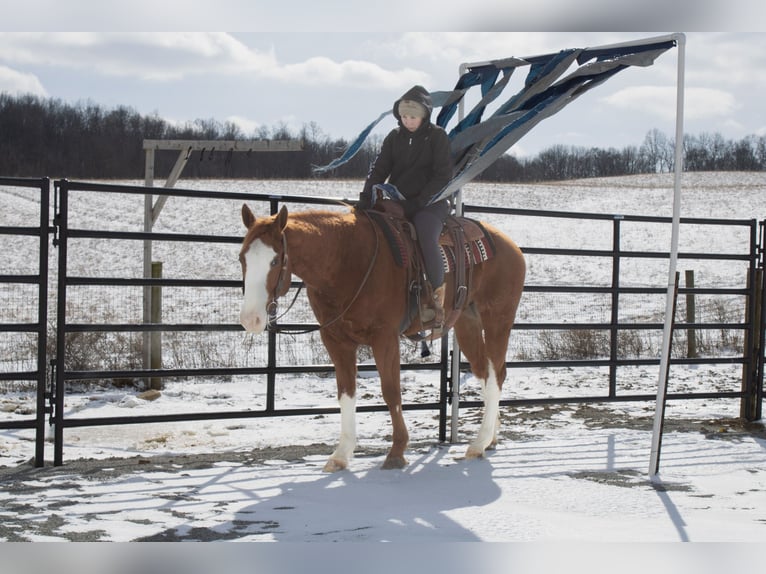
464, 243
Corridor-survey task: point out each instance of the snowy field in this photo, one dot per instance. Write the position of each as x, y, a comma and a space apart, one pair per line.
574, 473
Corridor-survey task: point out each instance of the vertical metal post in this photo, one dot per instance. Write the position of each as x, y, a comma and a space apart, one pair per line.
760, 295
659, 410
752, 370
58, 412
42, 322
271, 351
755, 412
444, 360
155, 349
455, 345
657, 448
615, 316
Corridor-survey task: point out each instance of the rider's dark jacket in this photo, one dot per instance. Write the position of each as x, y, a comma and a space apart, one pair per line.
418, 163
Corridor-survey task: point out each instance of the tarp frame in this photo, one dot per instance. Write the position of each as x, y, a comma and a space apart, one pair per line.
680, 41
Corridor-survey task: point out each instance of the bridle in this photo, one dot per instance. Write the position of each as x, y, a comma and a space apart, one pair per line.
284, 279
283, 285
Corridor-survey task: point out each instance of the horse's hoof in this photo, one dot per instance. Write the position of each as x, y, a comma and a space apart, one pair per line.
334, 465
394, 462
474, 452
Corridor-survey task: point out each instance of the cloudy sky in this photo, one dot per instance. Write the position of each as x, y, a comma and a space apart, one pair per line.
341, 80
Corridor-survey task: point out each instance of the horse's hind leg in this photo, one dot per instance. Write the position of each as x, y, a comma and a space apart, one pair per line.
485, 352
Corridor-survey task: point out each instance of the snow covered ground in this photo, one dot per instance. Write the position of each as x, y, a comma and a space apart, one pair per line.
576, 473
567, 473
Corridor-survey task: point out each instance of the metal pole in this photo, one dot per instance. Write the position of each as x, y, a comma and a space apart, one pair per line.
155, 353
654, 459
61, 295
455, 346
615, 314
42, 320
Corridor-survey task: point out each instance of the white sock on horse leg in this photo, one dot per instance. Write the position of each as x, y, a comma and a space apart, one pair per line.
347, 442
488, 429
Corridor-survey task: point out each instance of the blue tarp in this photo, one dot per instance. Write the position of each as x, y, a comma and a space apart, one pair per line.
476, 142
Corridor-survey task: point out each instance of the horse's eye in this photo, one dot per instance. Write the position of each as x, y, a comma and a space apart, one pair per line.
275, 262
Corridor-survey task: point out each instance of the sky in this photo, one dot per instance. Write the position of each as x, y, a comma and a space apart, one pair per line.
341, 72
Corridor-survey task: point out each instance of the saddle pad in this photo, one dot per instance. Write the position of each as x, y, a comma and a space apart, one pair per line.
477, 248
472, 230
474, 252
391, 229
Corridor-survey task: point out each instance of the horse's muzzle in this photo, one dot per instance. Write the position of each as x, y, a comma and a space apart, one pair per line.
252, 321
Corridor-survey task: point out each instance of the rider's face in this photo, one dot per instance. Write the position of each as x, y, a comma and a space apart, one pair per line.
412, 123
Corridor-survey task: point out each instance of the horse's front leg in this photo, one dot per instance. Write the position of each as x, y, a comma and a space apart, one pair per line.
344, 359
386, 353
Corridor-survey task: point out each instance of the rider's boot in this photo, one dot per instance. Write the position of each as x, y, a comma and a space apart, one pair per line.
433, 311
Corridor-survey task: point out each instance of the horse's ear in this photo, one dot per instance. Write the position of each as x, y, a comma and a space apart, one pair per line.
247, 216
282, 217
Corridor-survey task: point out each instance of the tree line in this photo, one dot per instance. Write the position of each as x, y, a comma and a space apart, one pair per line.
47, 137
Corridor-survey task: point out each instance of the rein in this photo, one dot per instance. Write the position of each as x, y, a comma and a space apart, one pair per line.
275, 329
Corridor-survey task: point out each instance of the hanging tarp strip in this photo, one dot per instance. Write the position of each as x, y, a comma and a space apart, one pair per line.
352, 149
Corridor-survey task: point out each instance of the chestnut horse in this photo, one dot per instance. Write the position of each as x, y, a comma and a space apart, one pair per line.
358, 295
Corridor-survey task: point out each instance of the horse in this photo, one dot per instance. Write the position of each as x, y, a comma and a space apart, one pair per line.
358, 295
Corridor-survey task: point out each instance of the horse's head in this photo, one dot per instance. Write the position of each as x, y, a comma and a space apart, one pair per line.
265, 269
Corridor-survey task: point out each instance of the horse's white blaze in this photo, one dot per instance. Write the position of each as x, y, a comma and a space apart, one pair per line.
253, 314
489, 422
347, 441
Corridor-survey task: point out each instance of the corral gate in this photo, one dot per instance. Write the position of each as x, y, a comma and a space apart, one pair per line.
67, 235
32, 237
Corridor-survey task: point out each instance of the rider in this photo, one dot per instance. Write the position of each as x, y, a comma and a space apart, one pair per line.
415, 158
